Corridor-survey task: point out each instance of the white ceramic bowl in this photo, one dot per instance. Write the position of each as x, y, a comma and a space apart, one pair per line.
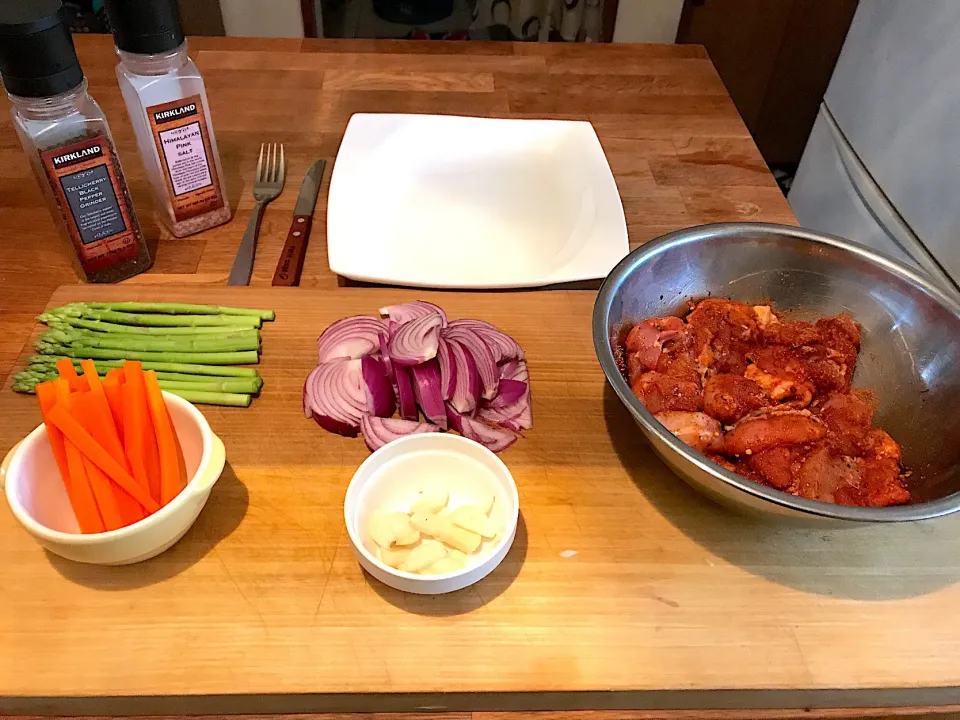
389, 480
39, 501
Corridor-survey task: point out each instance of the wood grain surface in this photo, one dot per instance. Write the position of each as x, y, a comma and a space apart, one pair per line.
679, 151
666, 594
623, 584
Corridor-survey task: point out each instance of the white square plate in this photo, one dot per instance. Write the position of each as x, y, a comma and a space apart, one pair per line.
462, 202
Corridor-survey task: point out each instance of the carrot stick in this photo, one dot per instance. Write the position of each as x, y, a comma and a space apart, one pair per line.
140, 414
88, 410
103, 492
135, 436
74, 431
47, 397
69, 373
111, 389
90, 517
170, 485
104, 431
81, 499
117, 375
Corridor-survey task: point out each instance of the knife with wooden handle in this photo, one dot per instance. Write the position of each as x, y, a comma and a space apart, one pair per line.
295, 249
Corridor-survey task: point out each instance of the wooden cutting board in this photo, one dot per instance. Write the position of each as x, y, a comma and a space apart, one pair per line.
621, 577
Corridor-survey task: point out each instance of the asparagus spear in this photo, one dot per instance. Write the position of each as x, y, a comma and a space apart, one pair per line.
175, 367
63, 323
241, 385
26, 380
181, 309
198, 397
80, 310
248, 357
252, 385
248, 340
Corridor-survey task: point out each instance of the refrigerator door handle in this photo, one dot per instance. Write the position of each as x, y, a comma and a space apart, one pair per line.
882, 209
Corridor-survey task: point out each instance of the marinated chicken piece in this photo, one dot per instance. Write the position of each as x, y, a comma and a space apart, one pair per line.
678, 359
780, 388
778, 465
770, 428
882, 485
724, 331
830, 478
841, 334
729, 397
880, 445
659, 392
826, 369
724, 462
848, 480
794, 334
764, 315
717, 314
645, 341
696, 429
847, 417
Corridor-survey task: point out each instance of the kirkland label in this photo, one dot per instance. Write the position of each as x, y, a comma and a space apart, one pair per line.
85, 183
183, 143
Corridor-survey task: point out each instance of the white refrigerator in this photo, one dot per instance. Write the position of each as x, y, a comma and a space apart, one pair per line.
882, 165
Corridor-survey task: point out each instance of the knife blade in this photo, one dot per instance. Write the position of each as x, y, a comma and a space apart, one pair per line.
295, 248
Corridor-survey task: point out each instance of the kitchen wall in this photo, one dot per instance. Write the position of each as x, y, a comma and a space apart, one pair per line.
637, 20
647, 21
262, 18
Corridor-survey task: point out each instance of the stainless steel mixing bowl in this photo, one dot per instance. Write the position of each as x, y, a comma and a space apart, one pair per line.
910, 355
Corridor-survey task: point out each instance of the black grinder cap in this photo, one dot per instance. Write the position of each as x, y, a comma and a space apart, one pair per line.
37, 58
145, 27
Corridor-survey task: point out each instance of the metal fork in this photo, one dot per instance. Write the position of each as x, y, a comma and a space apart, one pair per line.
271, 171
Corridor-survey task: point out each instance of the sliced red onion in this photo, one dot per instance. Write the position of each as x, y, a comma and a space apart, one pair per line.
405, 394
482, 356
426, 384
496, 439
510, 392
411, 311
453, 418
416, 341
467, 388
378, 393
519, 413
501, 345
385, 356
492, 417
448, 369
515, 370
350, 338
337, 400
307, 396
415, 357
377, 431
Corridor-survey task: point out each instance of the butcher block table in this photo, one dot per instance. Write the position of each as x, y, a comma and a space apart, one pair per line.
624, 590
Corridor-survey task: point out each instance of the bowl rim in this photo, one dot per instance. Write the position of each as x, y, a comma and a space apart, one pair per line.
601, 341
353, 488
87, 539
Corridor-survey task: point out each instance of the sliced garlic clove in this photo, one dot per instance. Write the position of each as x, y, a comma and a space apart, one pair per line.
389, 529
423, 556
475, 520
443, 566
430, 500
395, 557
440, 527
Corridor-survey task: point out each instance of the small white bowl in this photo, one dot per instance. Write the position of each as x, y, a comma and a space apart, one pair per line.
38, 499
389, 480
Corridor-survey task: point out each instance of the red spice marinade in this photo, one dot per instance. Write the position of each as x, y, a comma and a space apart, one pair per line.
768, 399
